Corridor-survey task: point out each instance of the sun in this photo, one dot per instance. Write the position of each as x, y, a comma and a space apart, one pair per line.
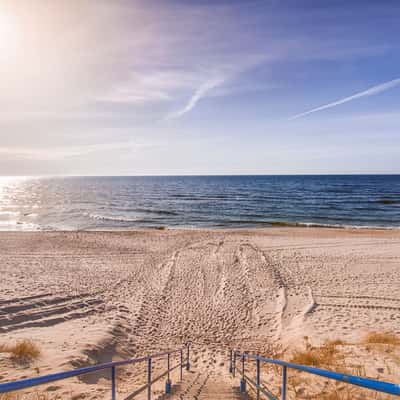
8, 32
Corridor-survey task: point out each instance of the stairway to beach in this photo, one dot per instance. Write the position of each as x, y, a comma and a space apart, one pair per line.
206, 386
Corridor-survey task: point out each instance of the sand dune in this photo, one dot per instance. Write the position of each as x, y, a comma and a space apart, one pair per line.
89, 297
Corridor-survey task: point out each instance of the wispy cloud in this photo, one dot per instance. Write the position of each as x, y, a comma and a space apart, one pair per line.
216, 82
369, 92
59, 152
200, 92
143, 87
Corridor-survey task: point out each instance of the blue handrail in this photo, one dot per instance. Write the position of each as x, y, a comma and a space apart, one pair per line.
31, 382
380, 386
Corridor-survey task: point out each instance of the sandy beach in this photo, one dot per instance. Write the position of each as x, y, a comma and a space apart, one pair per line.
90, 297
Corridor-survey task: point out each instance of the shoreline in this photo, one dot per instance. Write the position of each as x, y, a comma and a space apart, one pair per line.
259, 227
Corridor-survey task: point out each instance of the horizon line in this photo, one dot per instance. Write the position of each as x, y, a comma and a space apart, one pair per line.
200, 175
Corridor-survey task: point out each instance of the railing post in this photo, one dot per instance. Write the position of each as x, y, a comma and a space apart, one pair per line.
243, 380
188, 356
284, 378
168, 382
149, 378
113, 388
168, 364
258, 377
230, 362
234, 363
181, 366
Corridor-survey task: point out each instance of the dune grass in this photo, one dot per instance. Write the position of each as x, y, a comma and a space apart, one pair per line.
327, 355
332, 355
382, 338
33, 396
23, 351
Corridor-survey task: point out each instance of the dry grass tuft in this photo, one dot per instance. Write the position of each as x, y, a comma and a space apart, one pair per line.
326, 355
337, 342
23, 351
33, 396
7, 396
335, 396
345, 394
3, 348
333, 355
382, 338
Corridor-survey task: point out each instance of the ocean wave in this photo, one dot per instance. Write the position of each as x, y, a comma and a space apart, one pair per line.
292, 224
9, 213
333, 226
15, 225
387, 201
116, 218
207, 197
8, 223
156, 211
31, 215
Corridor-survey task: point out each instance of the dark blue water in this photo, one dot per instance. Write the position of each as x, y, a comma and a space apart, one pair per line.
202, 201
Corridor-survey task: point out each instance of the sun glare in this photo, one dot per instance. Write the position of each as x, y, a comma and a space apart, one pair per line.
8, 32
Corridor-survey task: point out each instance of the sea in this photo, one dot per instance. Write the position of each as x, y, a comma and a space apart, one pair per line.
107, 203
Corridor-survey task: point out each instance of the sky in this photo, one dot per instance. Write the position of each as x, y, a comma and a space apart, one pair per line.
149, 87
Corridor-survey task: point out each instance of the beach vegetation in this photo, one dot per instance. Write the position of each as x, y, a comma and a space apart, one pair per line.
328, 354
23, 351
32, 396
382, 338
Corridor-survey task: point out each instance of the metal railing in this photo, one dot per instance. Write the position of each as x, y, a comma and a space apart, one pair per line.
379, 386
112, 366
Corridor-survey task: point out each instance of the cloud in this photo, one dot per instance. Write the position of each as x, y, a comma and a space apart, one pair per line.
227, 71
59, 153
200, 92
143, 87
366, 93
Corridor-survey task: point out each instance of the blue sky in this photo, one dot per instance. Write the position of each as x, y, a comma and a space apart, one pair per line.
208, 87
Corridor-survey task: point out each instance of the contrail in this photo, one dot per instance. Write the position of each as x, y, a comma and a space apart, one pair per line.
369, 92
198, 95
